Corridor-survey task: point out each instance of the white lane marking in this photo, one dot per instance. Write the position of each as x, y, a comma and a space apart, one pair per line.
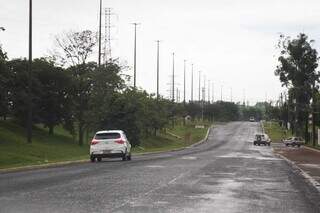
154, 166
189, 158
176, 178
133, 201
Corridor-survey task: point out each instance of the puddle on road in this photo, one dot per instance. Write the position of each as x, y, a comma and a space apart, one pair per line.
249, 156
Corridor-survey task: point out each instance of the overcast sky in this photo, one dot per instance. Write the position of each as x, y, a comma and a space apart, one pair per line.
231, 41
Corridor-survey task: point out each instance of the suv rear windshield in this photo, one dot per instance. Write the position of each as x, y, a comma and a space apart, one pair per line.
111, 135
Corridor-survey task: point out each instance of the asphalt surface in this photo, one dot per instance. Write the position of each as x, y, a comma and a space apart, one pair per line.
225, 174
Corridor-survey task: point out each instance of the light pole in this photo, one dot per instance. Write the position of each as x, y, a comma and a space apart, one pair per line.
135, 55
199, 95
184, 82
192, 83
172, 77
158, 43
29, 125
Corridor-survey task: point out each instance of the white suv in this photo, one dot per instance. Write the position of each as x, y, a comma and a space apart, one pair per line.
110, 144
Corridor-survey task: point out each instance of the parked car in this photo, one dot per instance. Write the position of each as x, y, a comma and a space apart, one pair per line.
261, 138
252, 119
293, 141
110, 144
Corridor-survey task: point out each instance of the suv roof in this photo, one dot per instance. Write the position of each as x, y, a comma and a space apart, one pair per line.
109, 131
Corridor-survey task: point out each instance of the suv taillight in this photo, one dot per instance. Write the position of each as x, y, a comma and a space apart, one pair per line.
94, 142
120, 141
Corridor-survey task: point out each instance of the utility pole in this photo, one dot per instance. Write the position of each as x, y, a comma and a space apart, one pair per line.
192, 83
199, 97
158, 42
209, 97
29, 125
184, 82
135, 55
204, 89
100, 17
313, 115
172, 77
230, 94
221, 93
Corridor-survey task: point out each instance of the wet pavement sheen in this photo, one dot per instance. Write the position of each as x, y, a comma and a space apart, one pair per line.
225, 174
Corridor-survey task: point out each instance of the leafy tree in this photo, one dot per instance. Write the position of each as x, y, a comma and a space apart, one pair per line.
54, 107
74, 49
18, 90
4, 84
297, 71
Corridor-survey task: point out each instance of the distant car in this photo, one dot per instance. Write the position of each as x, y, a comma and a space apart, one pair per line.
261, 138
293, 141
110, 144
252, 119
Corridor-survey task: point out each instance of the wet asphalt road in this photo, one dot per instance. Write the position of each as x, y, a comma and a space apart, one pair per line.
225, 174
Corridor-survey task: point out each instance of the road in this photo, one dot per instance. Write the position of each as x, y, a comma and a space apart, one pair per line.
225, 174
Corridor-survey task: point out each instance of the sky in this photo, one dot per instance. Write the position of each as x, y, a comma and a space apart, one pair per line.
232, 42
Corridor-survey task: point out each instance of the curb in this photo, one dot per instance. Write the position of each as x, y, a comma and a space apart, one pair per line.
179, 149
312, 149
307, 177
64, 163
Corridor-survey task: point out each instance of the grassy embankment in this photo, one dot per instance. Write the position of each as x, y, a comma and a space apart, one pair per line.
15, 152
275, 131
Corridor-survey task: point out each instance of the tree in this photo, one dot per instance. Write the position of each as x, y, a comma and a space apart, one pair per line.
54, 107
74, 49
19, 95
5, 79
297, 71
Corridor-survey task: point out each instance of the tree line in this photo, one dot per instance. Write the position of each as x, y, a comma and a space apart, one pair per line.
70, 90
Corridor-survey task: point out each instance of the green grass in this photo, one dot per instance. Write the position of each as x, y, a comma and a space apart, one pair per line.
45, 148
275, 131
163, 141
15, 152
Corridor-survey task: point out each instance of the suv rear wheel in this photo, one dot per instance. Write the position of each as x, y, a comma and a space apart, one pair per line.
92, 159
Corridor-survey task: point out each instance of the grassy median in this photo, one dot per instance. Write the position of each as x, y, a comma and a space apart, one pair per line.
275, 131
45, 148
